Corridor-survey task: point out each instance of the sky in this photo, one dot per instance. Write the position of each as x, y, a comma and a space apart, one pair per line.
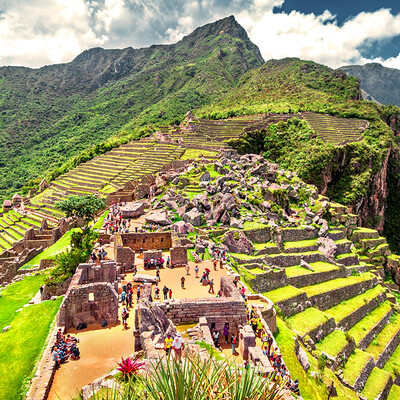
34, 33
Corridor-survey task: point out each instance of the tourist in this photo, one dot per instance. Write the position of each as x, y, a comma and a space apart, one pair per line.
203, 278
158, 275
216, 337
157, 292
123, 296
253, 322
226, 331
125, 316
187, 269
246, 365
215, 264
196, 271
124, 268
233, 342
165, 291
170, 294
183, 282
168, 344
269, 342
243, 292
138, 293
168, 259
260, 326
177, 345
211, 289
219, 294
134, 269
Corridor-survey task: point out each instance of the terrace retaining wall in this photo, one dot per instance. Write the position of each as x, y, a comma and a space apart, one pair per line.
147, 240
389, 350
365, 342
362, 378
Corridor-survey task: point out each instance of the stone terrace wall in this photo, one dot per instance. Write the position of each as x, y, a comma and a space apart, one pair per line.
216, 310
179, 256
147, 241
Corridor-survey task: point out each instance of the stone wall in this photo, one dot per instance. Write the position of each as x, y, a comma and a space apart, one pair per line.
259, 235
269, 281
179, 256
217, 310
297, 234
125, 255
147, 241
316, 277
293, 305
389, 350
148, 254
329, 299
91, 303
107, 271
322, 330
362, 378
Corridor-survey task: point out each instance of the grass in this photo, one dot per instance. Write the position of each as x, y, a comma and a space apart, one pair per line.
345, 308
244, 256
362, 328
253, 225
318, 266
22, 346
14, 296
376, 382
307, 320
257, 271
394, 393
191, 154
100, 221
333, 343
388, 332
283, 293
301, 243
51, 252
260, 246
354, 365
336, 284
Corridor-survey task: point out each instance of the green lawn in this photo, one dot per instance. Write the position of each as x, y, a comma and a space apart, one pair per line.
362, 328
345, 308
260, 246
253, 225
100, 221
375, 384
244, 256
333, 343
22, 346
354, 365
337, 283
16, 295
283, 293
192, 154
307, 320
383, 338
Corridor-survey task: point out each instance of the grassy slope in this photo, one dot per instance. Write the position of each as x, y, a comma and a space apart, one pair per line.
22, 345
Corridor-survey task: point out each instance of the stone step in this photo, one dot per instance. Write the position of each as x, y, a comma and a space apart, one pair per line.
351, 311
357, 369
367, 328
364, 233
371, 243
328, 294
385, 342
378, 385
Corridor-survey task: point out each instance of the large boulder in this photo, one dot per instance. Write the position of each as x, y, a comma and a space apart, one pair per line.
327, 246
158, 218
183, 227
237, 242
132, 210
193, 216
236, 223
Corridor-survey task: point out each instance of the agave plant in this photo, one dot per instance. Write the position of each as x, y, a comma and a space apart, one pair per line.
129, 366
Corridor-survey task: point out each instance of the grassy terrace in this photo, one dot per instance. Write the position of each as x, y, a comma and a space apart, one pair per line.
375, 384
337, 283
23, 345
394, 393
301, 243
318, 266
354, 365
307, 320
283, 293
333, 343
362, 328
393, 364
345, 308
384, 337
260, 246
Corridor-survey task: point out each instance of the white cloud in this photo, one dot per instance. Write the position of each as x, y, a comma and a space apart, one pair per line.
318, 37
35, 34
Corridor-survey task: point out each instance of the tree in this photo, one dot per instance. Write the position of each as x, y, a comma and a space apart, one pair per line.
82, 209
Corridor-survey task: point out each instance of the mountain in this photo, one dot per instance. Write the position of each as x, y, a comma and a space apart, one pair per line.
380, 82
50, 114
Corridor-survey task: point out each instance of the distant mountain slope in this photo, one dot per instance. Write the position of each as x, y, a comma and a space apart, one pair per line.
47, 115
382, 83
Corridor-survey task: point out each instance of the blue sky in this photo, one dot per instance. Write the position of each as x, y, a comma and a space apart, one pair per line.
39, 32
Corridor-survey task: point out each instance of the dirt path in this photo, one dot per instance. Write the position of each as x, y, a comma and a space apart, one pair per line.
100, 348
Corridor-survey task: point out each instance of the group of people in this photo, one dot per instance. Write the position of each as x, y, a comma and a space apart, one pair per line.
215, 335
152, 263
99, 256
64, 348
175, 344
